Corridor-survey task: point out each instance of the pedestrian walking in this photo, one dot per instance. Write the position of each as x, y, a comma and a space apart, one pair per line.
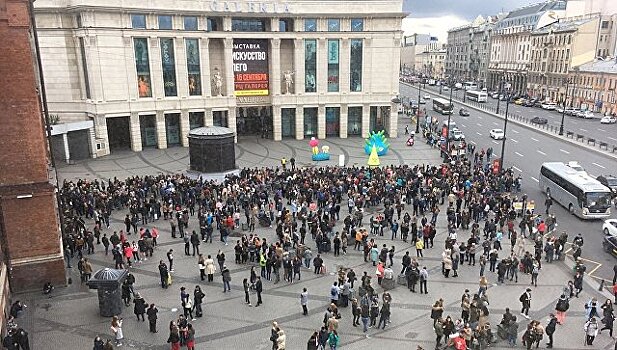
198, 298
563, 304
525, 300
247, 287
591, 331
550, 330
304, 301
423, 280
152, 317
116, 329
140, 307
226, 276
259, 290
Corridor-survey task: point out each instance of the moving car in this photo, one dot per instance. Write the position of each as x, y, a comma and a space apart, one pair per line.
588, 115
549, 106
427, 96
529, 103
422, 101
519, 101
610, 245
609, 181
539, 120
571, 111
463, 112
456, 134
497, 134
609, 227
445, 88
495, 95
609, 119
560, 109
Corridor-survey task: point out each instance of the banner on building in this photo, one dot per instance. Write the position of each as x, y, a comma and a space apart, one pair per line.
250, 65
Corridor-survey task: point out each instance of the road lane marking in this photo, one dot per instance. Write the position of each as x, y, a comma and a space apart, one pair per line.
513, 140
518, 154
601, 130
564, 151
514, 131
534, 139
478, 124
534, 179
581, 129
479, 117
598, 165
463, 125
517, 169
614, 139
472, 142
542, 153
495, 123
495, 142
478, 133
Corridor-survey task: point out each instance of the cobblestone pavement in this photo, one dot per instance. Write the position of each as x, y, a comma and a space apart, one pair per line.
70, 320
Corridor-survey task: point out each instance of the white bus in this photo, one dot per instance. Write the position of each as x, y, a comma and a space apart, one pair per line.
442, 106
576, 191
475, 95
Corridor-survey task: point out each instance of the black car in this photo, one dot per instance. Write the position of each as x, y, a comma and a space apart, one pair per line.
610, 245
529, 103
609, 181
463, 112
538, 120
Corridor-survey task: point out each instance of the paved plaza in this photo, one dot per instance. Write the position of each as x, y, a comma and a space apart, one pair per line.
70, 320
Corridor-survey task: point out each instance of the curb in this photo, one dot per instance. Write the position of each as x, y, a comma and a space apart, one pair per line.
527, 126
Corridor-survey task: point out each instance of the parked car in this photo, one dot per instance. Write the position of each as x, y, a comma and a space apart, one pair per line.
529, 103
570, 111
610, 245
588, 115
445, 88
539, 120
422, 101
519, 101
463, 112
549, 106
560, 109
427, 96
497, 134
495, 95
609, 119
456, 134
579, 114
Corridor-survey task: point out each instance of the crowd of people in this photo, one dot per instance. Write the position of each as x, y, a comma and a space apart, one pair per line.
315, 211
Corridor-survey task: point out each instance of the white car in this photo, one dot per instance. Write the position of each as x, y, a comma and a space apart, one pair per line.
609, 119
550, 106
588, 115
610, 227
427, 96
497, 134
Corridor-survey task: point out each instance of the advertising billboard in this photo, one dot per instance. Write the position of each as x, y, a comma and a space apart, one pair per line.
250, 65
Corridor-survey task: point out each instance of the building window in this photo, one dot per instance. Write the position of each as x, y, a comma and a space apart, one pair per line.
310, 121
355, 65
310, 25
165, 22
288, 122
84, 66
333, 65
604, 24
286, 25
190, 23
213, 24
142, 65
333, 121
310, 65
354, 121
248, 25
138, 21
334, 25
196, 120
357, 24
193, 67
169, 67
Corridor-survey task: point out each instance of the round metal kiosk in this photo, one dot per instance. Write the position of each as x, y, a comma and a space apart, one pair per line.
108, 281
212, 149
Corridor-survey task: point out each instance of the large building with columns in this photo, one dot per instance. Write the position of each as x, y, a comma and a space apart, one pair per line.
135, 74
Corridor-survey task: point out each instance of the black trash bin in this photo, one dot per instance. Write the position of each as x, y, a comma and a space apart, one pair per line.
108, 281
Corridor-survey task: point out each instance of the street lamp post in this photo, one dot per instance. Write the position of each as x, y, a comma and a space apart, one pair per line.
418, 111
563, 111
499, 92
505, 127
448, 126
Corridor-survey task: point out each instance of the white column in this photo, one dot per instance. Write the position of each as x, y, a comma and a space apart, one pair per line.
184, 127
367, 64
208, 117
228, 70
275, 66
345, 56
136, 145
393, 124
91, 141
67, 151
343, 122
161, 131
366, 119
231, 120
156, 70
322, 66
299, 69
277, 123
204, 55
299, 121
321, 122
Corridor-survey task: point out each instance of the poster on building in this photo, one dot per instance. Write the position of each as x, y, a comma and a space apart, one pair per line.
250, 65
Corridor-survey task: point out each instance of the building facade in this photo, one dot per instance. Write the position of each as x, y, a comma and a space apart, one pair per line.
468, 50
30, 236
557, 50
596, 82
431, 63
510, 56
145, 75
415, 44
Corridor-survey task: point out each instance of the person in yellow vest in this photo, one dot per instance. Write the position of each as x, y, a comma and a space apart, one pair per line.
283, 163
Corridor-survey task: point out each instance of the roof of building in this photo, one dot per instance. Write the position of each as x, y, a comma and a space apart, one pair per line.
565, 25
536, 8
600, 66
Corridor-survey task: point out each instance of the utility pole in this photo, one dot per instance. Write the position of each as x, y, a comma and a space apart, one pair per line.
505, 127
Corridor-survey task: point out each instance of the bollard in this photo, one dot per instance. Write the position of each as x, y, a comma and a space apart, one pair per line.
601, 286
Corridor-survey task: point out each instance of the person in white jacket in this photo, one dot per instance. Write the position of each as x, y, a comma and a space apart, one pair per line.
591, 330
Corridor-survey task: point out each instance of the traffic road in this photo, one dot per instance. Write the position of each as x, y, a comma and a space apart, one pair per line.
588, 127
526, 149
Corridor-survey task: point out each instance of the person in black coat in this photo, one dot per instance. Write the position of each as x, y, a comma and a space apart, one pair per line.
152, 317
140, 307
198, 297
550, 330
258, 289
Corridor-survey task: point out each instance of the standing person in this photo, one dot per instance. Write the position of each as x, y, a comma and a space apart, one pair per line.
591, 330
423, 280
333, 340
201, 263
258, 289
419, 248
563, 304
164, 274
226, 275
274, 334
140, 307
174, 338
525, 300
247, 287
304, 301
550, 330
364, 314
116, 329
152, 317
187, 305
608, 317
198, 298
170, 258
190, 337
210, 268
